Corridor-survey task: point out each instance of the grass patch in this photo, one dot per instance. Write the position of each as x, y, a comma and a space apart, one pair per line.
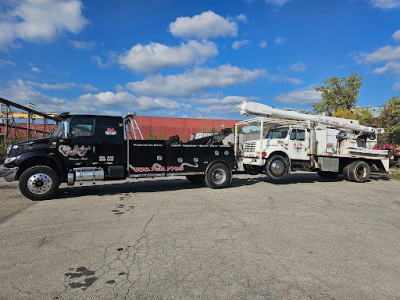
394, 173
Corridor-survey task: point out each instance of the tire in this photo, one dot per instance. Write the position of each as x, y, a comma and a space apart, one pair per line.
276, 167
328, 175
196, 179
218, 176
359, 171
39, 183
345, 173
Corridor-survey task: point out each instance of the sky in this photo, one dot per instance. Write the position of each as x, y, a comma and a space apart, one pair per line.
199, 58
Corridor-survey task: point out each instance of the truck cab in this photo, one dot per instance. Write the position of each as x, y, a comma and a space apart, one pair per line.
281, 148
92, 148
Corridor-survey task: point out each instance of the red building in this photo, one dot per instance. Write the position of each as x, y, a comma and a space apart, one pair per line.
183, 127
164, 126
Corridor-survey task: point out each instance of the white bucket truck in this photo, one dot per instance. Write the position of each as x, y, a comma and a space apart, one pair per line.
297, 141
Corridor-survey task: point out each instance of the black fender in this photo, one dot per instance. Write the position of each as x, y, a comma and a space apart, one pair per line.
218, 161
29, 159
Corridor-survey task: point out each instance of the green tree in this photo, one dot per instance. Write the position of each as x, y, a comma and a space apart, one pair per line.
5, 143
151, 135
239, 129
338, 93
162, 136
363, 115
390, 120
213, 130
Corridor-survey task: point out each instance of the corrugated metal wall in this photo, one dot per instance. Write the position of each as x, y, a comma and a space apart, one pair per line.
183, 127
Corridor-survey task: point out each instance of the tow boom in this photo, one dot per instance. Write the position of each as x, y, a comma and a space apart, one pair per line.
253, 108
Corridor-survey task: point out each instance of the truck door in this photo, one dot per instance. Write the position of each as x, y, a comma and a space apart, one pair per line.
298, 144
78, 148
110, 148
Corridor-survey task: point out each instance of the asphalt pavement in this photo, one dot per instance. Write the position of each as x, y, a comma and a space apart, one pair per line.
305, 238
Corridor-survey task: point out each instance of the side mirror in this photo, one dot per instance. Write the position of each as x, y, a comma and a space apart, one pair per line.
65, 137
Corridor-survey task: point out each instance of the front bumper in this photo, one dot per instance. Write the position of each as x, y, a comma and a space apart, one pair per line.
10, 174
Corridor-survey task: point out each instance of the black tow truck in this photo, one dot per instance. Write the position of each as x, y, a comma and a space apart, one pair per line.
92, 148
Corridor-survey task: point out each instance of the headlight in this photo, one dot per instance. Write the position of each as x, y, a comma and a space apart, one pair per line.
9, 159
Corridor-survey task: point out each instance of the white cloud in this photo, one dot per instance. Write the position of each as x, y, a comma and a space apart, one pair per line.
203, 26
99, 61
388, 55
82, 45
154, 56
283, 78
385, 4
226, 105
40, 21
21, 93
62, 86
4, 62
198, 81
242, 18
237, 44
396, 36
263, 44
35, 69
226, 100
219, 108
298, 67
280, 40
276, 2
302, 97
100, 103
124, 99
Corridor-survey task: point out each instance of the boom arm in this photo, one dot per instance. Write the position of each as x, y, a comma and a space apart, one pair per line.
253, 108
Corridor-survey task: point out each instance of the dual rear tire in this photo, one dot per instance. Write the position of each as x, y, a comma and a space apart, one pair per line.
357, 171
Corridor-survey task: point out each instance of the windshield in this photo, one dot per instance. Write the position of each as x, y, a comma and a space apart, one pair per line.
59, 129
277, 133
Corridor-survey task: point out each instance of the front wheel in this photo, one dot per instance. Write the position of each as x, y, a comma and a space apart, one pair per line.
218, 176
276, 167
39, 183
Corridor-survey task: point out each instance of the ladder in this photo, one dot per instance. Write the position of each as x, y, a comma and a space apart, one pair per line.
132, 128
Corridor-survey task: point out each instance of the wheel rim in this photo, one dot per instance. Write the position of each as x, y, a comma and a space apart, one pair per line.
39, 183
277, 167
218, 176
361, 172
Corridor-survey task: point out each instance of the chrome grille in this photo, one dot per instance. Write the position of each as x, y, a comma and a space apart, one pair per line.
249, 147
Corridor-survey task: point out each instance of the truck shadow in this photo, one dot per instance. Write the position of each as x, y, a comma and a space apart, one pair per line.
127, 187
152, 185
314, 178
146, 186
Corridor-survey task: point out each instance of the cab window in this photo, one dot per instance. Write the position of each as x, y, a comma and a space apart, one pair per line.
277, 133
81, 127
298, 134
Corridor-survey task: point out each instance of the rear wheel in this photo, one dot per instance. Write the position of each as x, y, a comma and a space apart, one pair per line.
359, 171
218, 176
276, 167
39, 183
346, 172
